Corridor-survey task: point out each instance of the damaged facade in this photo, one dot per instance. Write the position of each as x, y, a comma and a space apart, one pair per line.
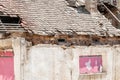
60, 39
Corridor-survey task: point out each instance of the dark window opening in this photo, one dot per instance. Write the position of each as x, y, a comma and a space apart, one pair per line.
9, 19
61, 40
11, 23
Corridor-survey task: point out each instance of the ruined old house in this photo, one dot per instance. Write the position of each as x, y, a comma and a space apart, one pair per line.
59, 40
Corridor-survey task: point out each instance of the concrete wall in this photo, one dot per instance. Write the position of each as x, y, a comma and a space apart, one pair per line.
19, 49
45, 62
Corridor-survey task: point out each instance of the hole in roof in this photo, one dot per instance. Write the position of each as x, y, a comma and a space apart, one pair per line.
10, 19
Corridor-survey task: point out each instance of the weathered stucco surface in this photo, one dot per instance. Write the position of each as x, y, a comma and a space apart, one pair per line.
46, 63
57, 63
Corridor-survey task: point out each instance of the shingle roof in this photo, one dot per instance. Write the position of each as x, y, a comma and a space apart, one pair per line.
52, 16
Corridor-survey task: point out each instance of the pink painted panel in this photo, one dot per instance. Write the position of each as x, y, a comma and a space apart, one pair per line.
90, 64
7, 67
6, 53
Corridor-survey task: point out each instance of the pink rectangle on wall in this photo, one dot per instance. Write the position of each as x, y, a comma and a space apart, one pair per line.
6, 53
7, 67
90, 64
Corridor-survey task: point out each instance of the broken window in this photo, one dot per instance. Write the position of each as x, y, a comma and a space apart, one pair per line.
90, 64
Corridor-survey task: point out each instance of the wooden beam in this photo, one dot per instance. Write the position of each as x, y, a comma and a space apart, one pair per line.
19, 48
111, 12
16, 49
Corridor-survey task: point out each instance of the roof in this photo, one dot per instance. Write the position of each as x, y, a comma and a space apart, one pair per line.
46, 17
